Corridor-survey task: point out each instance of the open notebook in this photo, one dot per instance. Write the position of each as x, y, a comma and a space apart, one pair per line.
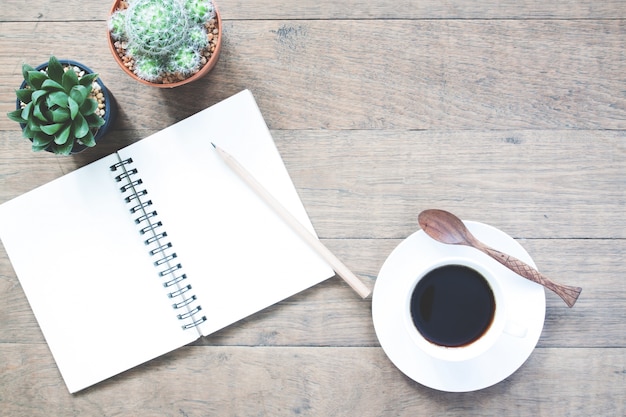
151, 247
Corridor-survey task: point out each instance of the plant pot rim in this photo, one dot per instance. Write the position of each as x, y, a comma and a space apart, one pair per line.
201, 73
109, 100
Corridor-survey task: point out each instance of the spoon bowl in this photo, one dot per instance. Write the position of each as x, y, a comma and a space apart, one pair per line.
445, 227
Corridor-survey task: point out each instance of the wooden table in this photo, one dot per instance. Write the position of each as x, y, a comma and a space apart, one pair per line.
509, 113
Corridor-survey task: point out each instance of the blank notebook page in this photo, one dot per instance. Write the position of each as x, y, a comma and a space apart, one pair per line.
89, 275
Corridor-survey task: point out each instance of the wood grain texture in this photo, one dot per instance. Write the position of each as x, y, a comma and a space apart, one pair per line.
532, 184
512, 113
373, 184
330, 314
455, 74
261, 381
42, 10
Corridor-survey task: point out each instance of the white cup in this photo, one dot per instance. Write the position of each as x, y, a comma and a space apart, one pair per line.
499, 324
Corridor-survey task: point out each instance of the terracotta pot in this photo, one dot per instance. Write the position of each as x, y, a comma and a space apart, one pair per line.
109, 100
201, 73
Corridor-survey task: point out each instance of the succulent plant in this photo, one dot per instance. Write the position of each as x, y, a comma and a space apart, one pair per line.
57, 111
163, 36
200, 10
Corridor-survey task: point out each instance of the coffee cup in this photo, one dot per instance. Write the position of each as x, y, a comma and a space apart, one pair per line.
455, 309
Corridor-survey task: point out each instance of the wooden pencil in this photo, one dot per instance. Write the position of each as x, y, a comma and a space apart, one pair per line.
340, 269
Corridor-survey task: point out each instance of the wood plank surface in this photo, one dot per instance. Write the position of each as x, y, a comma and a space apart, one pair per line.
456, 74
43, 10
512, 113
332, 315
358, 381
373, 184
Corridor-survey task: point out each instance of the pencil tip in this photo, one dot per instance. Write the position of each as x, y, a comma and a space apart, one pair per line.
213, 145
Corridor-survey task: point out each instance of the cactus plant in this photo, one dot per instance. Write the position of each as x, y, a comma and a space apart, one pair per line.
57, 109
162, 37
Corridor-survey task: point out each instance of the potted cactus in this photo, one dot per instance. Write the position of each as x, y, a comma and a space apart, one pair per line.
62, 107
165, 43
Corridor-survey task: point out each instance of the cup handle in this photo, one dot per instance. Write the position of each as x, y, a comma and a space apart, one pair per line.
515, 329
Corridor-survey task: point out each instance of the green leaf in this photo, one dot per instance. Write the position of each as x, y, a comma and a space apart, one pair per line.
35, 79
16, 116
94, 120
55, 70
27, 111
25, 70
51, 129
40, 112
88, 140
58, 98
24, 94
64, 149
89, 106
79, 93
87, 79
73, 107
60, 115
51, 85
40, 139
80, 126
31, 128
39, 148
61, 137
70, 79
37, 95
27, 133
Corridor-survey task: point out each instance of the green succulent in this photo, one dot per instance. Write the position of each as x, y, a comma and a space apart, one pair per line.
185, 60
197, 38
200, 10
148, 68
117, 25
57, 112
156, 27
163, 36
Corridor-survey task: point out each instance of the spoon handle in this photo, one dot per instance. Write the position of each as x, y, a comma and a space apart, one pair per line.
568, 293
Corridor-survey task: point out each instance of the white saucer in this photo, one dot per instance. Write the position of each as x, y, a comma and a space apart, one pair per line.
526, 305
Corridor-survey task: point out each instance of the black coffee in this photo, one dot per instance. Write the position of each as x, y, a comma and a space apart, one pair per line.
452, 306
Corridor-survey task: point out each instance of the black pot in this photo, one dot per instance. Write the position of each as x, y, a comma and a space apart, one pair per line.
109, 100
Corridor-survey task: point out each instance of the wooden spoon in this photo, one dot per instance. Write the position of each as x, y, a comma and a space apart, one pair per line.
445, 227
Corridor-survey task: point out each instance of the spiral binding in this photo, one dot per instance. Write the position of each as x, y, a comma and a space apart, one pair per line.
158, 245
